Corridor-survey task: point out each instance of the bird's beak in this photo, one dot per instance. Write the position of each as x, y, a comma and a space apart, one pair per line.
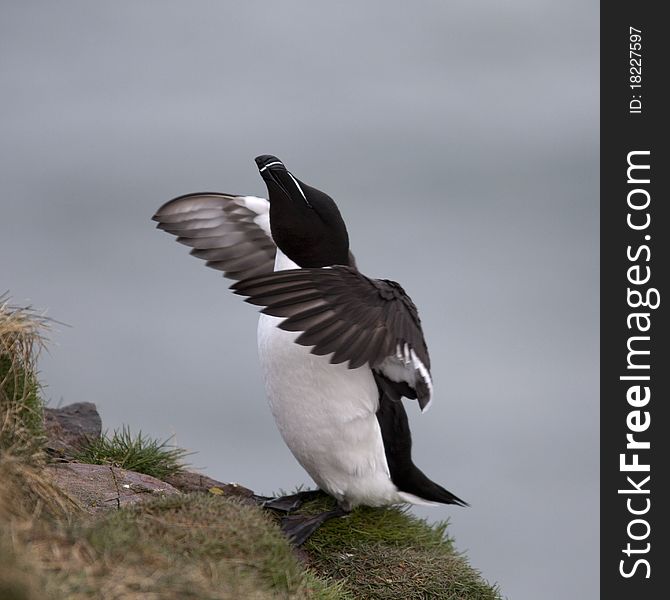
276, 175
267, 162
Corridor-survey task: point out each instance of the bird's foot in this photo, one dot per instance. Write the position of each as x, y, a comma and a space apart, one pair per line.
288, 504
298, 528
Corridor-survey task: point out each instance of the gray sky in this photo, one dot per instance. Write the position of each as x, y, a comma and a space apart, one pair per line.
460, 140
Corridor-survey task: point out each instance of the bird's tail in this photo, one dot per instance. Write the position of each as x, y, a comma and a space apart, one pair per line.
425, 491
411, 482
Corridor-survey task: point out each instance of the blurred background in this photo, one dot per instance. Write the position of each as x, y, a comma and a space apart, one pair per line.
460, 140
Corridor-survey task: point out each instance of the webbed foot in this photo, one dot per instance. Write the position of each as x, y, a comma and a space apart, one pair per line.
298, 528
289, 503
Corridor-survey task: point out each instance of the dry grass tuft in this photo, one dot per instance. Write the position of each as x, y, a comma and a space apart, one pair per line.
25, 490
17, 577
27, 493
27, 497
21, 408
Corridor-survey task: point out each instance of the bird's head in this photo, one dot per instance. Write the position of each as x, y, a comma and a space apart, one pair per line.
306, 224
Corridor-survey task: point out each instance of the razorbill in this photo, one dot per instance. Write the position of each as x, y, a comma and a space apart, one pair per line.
338, 349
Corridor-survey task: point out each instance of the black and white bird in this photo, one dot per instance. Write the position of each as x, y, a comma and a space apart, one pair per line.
338, 349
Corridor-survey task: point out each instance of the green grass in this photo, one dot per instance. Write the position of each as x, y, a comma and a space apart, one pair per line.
189, 546
139, 453
387, 553
19, 388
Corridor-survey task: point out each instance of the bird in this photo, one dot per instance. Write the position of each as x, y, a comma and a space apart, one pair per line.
338, 350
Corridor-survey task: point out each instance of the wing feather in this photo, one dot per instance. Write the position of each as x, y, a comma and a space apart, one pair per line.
231, 233
353, 318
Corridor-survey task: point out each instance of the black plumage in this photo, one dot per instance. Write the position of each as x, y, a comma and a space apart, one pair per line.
398, 448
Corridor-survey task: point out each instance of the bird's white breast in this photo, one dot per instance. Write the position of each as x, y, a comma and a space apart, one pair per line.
326, 415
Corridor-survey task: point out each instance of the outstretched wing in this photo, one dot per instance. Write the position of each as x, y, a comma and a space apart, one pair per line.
356, 319
231, 233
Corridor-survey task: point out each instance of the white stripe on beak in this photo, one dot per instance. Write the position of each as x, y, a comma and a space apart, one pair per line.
277, 162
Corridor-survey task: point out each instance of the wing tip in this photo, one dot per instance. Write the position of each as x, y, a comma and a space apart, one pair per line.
164, 209
425, 404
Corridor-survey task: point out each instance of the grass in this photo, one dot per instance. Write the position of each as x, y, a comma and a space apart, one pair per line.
387, 553
237, 545
17, 578
27, 496
190, 546
24, 490
138, 453
21, 407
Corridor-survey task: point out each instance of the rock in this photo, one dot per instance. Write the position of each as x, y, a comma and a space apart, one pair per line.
100, 488
187, 481
70, 427
103, 487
